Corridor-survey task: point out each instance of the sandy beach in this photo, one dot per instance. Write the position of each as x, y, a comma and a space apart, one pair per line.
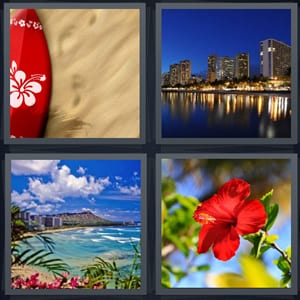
26, 271
29, 234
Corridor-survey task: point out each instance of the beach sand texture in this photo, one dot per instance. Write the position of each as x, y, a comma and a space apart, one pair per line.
95, 57
26, 271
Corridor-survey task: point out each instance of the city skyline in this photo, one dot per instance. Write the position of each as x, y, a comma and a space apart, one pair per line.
111, 189
195, 34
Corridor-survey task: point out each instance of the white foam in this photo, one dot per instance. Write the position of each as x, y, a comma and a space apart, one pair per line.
121, 240
112, 238
97, 240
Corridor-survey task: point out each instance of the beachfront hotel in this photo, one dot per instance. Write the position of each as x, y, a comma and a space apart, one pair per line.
40, 222
275, 58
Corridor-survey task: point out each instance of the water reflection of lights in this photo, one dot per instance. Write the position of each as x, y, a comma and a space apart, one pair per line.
277, 107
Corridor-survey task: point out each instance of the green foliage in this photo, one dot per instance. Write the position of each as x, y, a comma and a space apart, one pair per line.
179, 231
39, 258
109, 275
262, 241
178, 274
272, 210
165, 277
18, 227
168, 186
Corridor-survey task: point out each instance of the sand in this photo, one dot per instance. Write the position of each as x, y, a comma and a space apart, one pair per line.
95, 57
26, 271
30, 234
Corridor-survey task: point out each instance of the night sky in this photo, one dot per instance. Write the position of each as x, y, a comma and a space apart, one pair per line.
195, 34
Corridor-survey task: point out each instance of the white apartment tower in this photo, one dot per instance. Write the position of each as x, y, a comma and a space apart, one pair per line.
275, 58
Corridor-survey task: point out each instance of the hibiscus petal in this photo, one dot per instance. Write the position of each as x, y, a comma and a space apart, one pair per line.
20, 77
29, 98
233, 192
251, 217
214, 208
14, 66
226, 243
33, 87
13, 86
16, 99
207, 236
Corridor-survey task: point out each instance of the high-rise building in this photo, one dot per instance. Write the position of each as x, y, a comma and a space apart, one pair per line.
275, 58
211, 68
185, 71
242, 65
224, 68
174, 74
51, 221
180, 73
165, 79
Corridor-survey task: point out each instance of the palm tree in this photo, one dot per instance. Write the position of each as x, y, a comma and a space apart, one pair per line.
30, 256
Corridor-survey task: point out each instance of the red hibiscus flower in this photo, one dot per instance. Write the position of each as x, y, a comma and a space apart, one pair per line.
225, 216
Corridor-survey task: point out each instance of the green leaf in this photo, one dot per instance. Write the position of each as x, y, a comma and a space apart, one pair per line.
187, 203
272, 213
166, 284
178, 273
200, 268
264, 248
282, 264
289, 252
257, 239
193, 201
271, 238
285, 280
253, 237
165, 277
266, 198
168, 186
171, 199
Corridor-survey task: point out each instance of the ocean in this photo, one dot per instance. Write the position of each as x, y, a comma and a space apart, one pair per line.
78, 247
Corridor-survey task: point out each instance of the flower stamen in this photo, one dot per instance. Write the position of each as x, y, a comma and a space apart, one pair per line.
205, 219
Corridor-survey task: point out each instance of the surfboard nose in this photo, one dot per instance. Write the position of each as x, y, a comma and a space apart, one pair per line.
30, 75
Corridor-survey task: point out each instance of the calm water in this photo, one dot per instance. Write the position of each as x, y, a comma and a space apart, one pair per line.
205, 115
78, 247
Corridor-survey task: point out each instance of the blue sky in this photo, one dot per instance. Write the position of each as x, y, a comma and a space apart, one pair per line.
109, 188
195, 34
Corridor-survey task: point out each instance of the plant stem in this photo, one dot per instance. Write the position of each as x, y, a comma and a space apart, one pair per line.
283, 253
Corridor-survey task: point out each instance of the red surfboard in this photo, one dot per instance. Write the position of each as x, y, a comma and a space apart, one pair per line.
30, 75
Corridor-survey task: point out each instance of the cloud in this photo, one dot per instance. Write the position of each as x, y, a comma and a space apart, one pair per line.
44, 209
92, 201
118, 178
26, 201
84, 209
135, 173
33, 167
20, 198
64, 184
130, 190
81, 170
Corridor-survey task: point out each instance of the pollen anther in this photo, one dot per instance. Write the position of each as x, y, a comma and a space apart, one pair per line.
205, 219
